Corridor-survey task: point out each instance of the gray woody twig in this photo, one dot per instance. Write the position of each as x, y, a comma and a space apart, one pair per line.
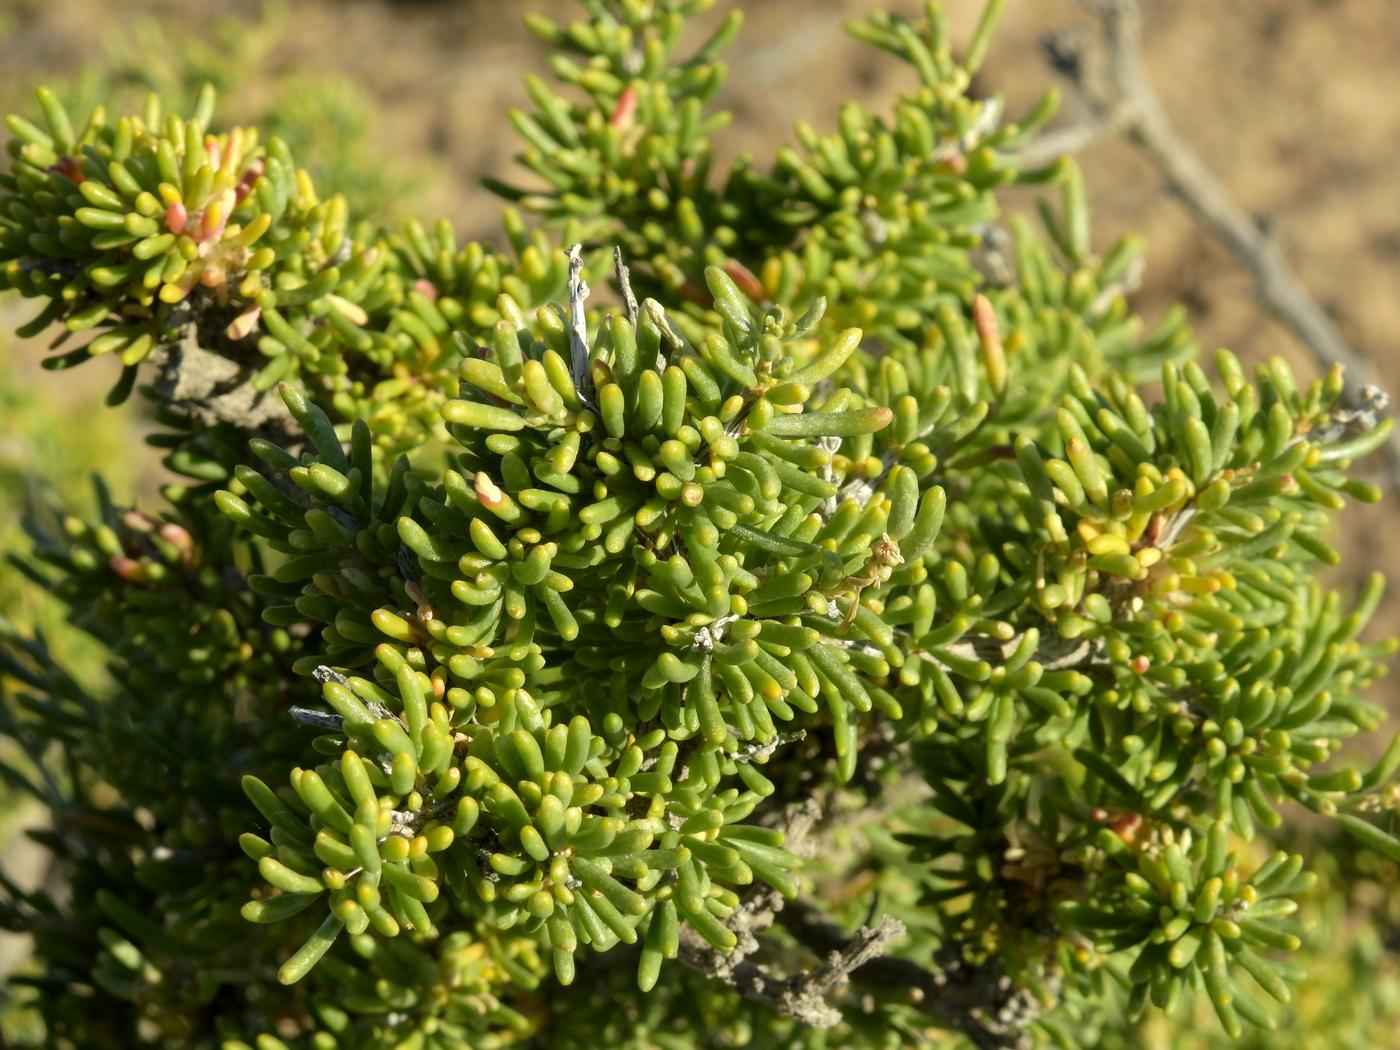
306, 716
1115, 85
624, 286
578, 327
801, 996
208, 389
982, 1002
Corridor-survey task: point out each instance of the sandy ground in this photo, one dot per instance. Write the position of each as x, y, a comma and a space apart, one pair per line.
1291, 102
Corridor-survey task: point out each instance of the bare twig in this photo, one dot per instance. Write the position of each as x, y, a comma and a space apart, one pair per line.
1115, 85
1072, 138
982, 1002
802, 996
624, 286
208, 389
578, 327
324, 674
306, 716
1053, 653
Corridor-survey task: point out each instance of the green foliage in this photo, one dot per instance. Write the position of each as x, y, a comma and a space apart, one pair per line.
861, 507
37, 462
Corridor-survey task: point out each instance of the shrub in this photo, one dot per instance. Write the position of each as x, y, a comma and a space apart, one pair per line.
536, 650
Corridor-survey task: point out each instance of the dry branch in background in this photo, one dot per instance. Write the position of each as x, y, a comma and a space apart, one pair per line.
1111, 77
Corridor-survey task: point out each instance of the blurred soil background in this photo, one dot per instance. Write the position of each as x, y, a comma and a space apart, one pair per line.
401, 105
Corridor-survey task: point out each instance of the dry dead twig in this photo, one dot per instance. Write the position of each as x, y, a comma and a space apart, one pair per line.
1112, 79
982, 1002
